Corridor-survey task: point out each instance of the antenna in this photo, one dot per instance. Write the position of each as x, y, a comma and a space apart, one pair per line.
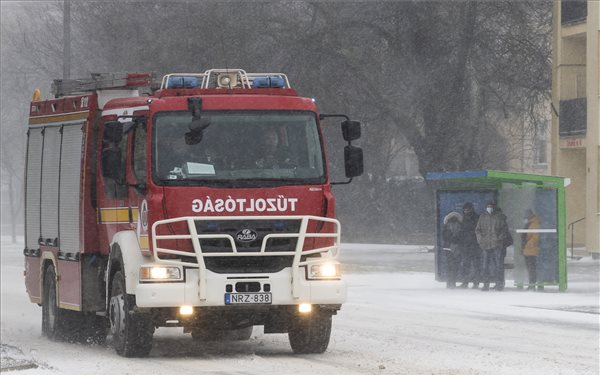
226, 65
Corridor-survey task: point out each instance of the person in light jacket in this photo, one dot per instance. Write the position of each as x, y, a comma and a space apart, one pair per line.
531, 246
491, 231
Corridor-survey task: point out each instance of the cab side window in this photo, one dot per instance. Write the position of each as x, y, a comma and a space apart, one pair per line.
114, 153
139, 154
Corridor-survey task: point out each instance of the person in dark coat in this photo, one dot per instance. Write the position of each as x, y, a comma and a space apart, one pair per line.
491, 231
507, 241
470, 267
452, 245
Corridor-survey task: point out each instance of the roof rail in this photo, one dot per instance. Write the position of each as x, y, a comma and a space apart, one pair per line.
101, 81
224, 78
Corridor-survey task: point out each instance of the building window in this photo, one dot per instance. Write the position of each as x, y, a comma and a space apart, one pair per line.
572, 117
540, 145
573, 11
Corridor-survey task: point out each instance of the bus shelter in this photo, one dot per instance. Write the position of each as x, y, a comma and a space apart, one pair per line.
515, 193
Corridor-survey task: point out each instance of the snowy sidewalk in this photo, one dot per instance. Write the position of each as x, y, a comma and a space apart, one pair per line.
398, 320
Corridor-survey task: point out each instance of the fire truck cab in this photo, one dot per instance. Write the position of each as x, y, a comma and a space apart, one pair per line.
203, 203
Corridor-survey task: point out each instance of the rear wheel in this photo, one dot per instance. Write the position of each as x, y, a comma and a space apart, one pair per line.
131, 332
310, 334
52, 315
67, 325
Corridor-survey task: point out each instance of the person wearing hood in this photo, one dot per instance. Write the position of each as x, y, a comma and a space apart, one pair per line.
491, 231
530, 243
452, 237
470, 267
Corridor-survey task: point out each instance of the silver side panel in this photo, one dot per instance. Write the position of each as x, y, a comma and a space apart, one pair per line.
51, 161
34, 173
70, 191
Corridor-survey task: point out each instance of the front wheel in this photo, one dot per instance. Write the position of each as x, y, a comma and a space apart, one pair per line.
310, 334
131, 332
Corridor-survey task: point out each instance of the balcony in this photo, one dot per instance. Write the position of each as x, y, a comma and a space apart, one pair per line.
573, 11
573, 117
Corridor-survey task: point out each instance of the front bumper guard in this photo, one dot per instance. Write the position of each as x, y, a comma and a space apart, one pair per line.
298, 280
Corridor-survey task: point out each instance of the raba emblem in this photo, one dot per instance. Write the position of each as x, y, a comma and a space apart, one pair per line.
246, 235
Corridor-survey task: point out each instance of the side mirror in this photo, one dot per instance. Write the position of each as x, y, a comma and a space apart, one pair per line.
113, 132
353, 160
350, 130
198, 124
195, 107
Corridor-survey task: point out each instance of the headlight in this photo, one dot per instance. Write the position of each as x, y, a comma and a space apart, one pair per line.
159, 273
324, 271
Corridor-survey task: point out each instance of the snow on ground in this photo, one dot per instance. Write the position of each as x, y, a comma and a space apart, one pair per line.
397, 320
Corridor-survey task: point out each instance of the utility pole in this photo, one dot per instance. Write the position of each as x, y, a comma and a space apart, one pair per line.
66, 39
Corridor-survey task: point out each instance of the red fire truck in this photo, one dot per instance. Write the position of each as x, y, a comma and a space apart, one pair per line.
203, 202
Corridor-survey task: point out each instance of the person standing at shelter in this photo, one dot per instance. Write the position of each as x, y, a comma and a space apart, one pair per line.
508, 241
471, 253
530, 242
491, 230
452, 235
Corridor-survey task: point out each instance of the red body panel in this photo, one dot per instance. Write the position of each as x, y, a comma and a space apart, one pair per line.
69, 282
32, 278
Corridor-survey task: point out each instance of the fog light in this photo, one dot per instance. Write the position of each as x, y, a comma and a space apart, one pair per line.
186, 310
305, 308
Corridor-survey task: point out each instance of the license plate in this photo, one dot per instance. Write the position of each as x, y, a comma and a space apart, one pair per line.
247, 298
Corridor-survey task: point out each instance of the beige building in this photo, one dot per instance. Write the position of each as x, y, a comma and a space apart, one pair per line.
575, 134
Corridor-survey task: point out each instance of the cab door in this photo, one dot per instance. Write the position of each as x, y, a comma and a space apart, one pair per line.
113, 211
137, 178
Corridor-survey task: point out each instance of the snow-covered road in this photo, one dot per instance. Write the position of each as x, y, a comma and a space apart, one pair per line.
397, 320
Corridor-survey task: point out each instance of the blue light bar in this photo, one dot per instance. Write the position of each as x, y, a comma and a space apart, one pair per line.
182, 82
268, 82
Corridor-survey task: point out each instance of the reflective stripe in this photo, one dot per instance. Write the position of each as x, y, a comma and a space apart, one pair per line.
61, 118
117, 215
144, 243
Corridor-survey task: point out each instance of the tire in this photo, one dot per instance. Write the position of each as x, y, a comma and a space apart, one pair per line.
94, 329
242, 334
131, 332
310, 334
52, 315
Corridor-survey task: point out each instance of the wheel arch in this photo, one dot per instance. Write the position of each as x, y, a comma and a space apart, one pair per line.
48, 259
124, 255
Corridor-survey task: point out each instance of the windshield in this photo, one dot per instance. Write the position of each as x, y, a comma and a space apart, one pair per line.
237, 148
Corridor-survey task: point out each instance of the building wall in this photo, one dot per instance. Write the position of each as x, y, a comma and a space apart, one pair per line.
593, 130
576, 52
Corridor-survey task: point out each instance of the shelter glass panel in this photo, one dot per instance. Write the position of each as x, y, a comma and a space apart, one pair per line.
532, 219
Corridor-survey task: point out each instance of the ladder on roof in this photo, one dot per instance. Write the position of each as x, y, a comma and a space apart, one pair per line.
101, 81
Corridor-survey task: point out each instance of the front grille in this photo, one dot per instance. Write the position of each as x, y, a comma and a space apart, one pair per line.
260, 227
242, 264
248, 264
